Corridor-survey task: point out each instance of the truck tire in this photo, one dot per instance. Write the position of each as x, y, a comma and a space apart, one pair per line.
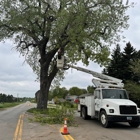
103, 119
134, 124
84, 113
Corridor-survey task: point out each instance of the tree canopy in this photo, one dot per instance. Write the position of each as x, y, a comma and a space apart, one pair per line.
90, 89
122, 63
63, 92
6, 98
135, 65
115, 66
75, 91
83, 29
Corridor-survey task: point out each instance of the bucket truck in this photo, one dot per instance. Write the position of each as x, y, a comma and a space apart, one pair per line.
109, 102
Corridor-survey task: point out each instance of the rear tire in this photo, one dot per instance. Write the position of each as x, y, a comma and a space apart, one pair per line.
103, 119
134, 124
84, 113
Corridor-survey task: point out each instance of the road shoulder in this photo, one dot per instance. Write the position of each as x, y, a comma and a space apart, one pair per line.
36, 131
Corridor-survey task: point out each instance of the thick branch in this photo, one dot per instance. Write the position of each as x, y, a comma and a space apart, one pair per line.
53, 73
27, 44
50, 55
18, 29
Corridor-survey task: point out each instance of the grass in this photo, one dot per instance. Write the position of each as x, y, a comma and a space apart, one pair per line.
53, 115
6, 105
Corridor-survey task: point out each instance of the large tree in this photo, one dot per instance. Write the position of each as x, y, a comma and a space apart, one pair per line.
128, 56
83, 29
121, 63
115, 66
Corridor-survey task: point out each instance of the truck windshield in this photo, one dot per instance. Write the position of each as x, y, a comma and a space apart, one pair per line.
114, 94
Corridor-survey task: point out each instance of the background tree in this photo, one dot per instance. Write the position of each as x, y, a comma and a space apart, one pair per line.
50, 97
6, 98
115, 67
135, 65
133, 90
128, 56
75, 91
58, 92
83, 29
9, 98
121, 62
90, 89
84, 91
126, 66
134, 87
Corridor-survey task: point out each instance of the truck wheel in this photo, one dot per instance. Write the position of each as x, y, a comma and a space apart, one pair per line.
134, 124
103, 119
84, 113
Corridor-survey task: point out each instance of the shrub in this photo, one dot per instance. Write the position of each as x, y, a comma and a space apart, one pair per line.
68, 104
1, 106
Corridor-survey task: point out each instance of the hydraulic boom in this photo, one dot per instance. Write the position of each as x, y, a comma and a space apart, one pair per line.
99, 79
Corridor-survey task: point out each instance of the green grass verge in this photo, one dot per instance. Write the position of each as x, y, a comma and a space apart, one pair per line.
53, 115
6, 105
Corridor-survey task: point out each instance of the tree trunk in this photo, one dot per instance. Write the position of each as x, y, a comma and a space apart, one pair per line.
43, 95
45, 78
44, 86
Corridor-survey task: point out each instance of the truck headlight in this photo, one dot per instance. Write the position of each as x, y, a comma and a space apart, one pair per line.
111, 110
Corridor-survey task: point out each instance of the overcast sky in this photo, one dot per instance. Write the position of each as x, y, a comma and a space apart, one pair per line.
18, 79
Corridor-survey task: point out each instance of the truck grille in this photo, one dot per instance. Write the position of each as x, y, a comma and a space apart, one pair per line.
128, 109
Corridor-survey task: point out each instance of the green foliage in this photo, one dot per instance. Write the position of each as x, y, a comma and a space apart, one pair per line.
58, 92
84, 91
135, 66
68, 104
115, 66
134, 91
63, 92
121, 63
75, 91
6, 98
56, 100
83, 29
6, 105
90, 89
128, 56
53, 115
125, 65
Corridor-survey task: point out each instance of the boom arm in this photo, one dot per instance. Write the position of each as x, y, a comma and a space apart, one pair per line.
95, 74
104, 80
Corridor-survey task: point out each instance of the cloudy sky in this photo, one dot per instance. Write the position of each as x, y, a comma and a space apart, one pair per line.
18, 79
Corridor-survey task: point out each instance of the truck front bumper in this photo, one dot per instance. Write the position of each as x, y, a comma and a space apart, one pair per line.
128, 118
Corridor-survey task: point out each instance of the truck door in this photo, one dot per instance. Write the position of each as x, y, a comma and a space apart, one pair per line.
97, 98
